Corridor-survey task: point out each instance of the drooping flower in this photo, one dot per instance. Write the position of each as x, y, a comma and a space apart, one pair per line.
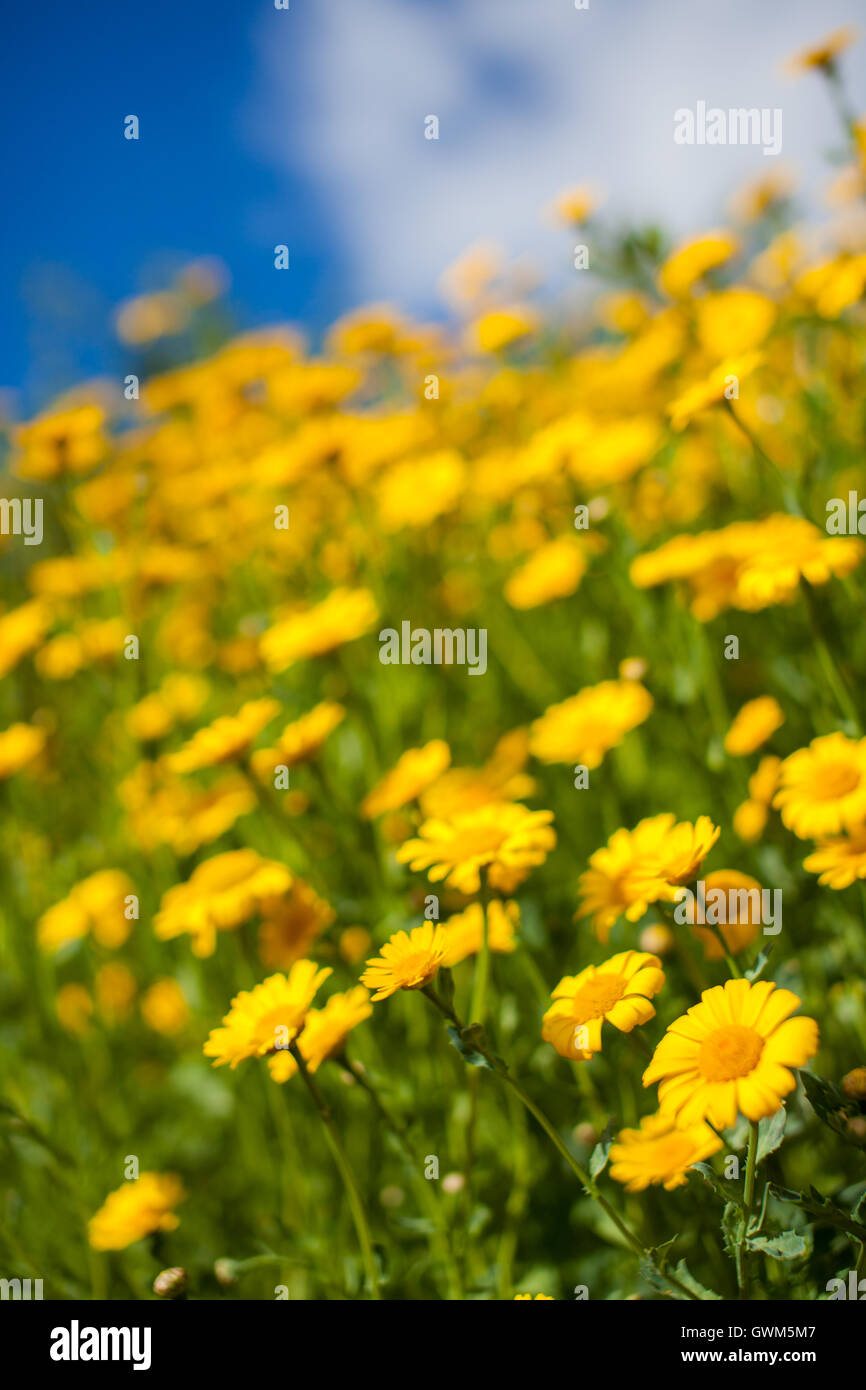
324, 1033
660, 1152
617, 992
267, 1018
136, 1209
503, 838
733, 1053
410, 960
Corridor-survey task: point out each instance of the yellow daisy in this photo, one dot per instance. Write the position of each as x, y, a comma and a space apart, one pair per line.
410, 960
19, 745
660, 1152
504, 838
840, 862
732, 1053
300, 740
822, 788
341, 617
617, 992
290, 924
221, 893
267, 1018
553, 571
740, 934
226, 739
324, 1033
753, 724
136, 1209
410, 776
584, 728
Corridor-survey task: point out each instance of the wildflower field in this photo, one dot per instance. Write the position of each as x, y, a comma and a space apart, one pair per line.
433, 786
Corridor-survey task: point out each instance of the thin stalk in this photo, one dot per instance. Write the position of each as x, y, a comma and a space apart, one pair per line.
345, 1170
829, 666
748, 1198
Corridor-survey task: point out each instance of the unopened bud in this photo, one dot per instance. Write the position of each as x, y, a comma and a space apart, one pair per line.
171, 1283
224, 1272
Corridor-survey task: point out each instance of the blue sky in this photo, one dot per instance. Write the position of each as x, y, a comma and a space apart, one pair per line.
306, 127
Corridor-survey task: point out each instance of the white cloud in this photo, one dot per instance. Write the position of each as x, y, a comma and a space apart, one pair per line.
532, 96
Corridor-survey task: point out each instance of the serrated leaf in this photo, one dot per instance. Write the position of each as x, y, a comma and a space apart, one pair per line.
822, 1210
789, 1245
771, 1132
831, 1105
685, 1276
733, 1227
726, 1188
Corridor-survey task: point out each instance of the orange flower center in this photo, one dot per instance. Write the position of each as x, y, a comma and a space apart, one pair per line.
597, 997
730, 1052
835, 780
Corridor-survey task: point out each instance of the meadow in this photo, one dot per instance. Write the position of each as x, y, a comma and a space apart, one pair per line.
339, 963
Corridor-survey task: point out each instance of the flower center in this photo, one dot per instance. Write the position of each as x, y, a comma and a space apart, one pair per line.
836, 780
730, 1052
415, 970
597, 997
480, 842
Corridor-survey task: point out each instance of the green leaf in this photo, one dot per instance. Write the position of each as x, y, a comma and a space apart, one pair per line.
686, 1277
470, 1054
758, 968
600, 1154
726, 1188
831, 1105
733, 1227
789, 1245
771, 1131
822, 1210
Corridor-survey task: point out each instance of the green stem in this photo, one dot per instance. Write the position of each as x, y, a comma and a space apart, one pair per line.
345, 1171
832, 674
748, 1199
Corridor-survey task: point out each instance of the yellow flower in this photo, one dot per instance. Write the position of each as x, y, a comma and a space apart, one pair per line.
300, 740
711, 390
464, 932
19, 745
164, 1008
539, 1297
617, 992
412, 774
466, 788
739, 934
823, 54
416, 492
553, 571
222, 893
97, 904
822, 788
500, 328
732, 1053
324, 1033
576, 205
410, 960
341, 617
749, 820
505, 839
228, 738
74, 1008
267, 1018
660, 1152
733, 322
691, 261
753, 724
150, 719
638, 867
68, 441
585, 727
291, 924
136, 1209
115, 990
840, 862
